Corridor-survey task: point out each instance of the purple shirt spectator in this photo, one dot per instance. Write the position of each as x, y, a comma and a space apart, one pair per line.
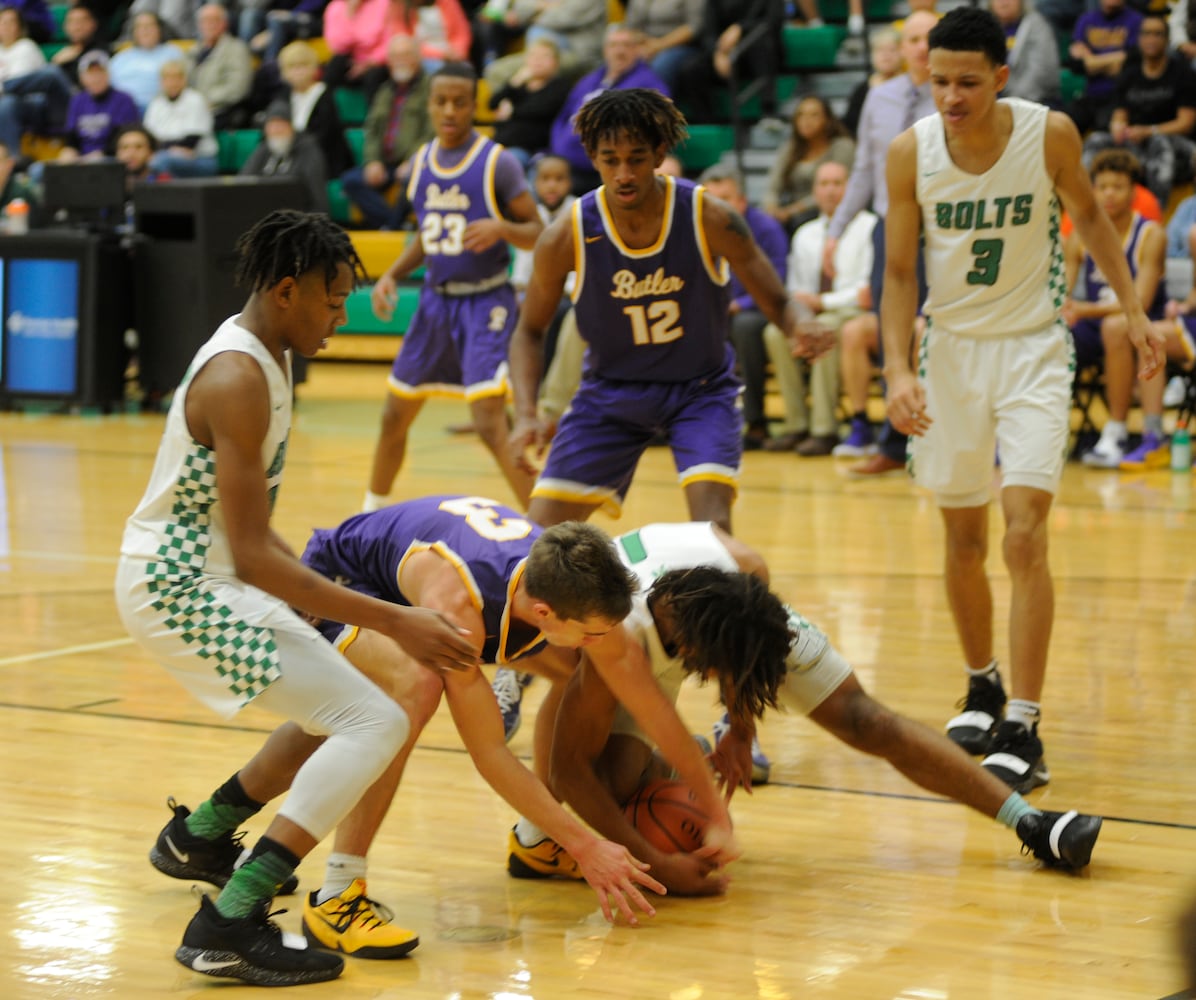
92, 121
564, 140
771, 236
1102, 32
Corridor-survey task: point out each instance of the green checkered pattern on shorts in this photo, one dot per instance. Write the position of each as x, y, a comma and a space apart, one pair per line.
245, 656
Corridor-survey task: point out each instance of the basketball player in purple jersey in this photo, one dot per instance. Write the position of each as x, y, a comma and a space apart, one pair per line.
471, 199
651, 256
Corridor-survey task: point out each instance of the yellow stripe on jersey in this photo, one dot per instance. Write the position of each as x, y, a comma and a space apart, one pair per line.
665, 226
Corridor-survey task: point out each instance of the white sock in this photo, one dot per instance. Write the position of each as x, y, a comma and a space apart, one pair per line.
814, 22
989, 672
340, 871
374, 501
527, 833
1114, 429
1025, 712
855, 24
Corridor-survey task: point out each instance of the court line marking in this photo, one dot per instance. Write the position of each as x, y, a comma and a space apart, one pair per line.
51, 654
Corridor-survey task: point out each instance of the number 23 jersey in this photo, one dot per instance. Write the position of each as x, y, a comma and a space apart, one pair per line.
994, 258
653, 315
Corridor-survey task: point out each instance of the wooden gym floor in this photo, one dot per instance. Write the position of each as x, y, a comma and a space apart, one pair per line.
854, 883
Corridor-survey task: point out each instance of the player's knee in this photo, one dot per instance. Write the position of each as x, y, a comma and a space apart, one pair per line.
1024, 544
424, 698
389, 729
1114, 331
869, 727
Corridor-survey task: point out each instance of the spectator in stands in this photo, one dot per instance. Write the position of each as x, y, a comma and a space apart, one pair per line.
13, 183
621, 69
1033, 53
221, 68
398, 123
313, 109
525, 108
284, 152
725, 25
813, 430
1181, 228
268, 26
38, 19
576, 26
96, 113
885, 49
82, 31
1099, 326
177, 17
815, 137
181, 122
889, 109
357, 33
1100, 43
855, 15
670, 166
33, 94
440, 27
1182, 27
137, 69
135, 147
1154, 109
747, 320
669, 31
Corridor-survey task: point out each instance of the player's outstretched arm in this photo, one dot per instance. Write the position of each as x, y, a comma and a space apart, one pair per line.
624, 668
583, 726
383, 297
552, 263
609, 868
1071, 181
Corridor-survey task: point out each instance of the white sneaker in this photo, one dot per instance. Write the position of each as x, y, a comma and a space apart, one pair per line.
1175, 393
1106, 454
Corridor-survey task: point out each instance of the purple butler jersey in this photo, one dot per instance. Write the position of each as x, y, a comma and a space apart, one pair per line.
652, 315
449, 189
1096, 288
485, 542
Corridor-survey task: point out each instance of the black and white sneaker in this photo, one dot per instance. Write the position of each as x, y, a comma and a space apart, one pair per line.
1016, 757
180, 854
1059, 840
253, 949
983, 706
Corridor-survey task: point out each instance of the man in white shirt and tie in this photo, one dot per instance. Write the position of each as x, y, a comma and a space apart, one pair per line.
834, 303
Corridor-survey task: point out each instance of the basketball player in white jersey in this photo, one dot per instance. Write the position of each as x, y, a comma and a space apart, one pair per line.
984, 182
709, 612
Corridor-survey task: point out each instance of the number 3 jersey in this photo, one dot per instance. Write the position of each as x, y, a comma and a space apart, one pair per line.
652, 315
994, 258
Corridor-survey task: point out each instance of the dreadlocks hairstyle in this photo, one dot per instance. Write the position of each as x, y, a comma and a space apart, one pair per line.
574, 569
286, 244
642, 115
730, 625
971, 29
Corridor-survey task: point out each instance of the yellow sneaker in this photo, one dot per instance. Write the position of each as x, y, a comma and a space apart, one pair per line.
354, 924
546, 859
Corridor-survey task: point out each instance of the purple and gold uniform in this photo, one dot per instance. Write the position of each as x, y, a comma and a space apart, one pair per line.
456, 344
486, 542
1086, 332
658, 358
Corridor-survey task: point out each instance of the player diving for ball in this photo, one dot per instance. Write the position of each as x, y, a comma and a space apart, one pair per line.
708, 611
526, 594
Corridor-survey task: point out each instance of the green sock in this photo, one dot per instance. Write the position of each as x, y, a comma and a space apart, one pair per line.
1014, 808
226, 810
258, 879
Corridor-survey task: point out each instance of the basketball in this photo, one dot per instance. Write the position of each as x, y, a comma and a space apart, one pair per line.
667, 815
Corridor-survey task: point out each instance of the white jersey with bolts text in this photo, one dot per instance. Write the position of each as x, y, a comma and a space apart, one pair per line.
994, 258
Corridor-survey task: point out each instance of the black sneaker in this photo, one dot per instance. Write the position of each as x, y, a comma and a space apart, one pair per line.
253, 949
1016, 757
982, 707
1059, 840
180, 854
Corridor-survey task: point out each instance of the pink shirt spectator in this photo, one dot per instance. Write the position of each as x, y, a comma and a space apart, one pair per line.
360, 31
442, 28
